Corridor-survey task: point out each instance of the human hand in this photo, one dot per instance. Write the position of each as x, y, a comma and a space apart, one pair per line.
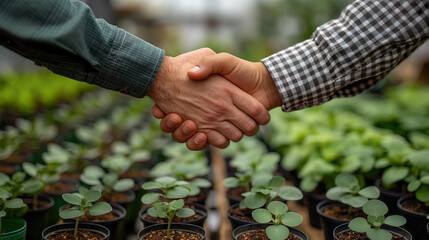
250, 77
220, 109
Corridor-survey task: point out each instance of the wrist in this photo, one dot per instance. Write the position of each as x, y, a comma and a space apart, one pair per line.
158, 87
271, 91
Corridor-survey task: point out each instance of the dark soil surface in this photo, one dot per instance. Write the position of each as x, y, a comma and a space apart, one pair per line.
260, 235
60, 188
198, 198
242, 214
117, 197
352, 235
40, 203
416, 206
7, 169
101, 218
81, 235
339, 212
174, 235
236, 192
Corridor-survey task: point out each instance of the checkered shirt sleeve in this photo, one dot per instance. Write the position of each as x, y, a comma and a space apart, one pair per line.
349, 55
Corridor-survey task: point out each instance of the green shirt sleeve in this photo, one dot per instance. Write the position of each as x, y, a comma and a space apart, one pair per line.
65, 37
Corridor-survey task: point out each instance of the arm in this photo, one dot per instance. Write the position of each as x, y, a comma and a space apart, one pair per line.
65, 37
344, 57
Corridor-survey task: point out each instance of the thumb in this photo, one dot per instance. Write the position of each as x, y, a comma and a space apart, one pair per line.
222, 63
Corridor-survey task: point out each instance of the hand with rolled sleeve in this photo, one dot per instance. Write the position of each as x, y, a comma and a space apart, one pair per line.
65, 37
344, 57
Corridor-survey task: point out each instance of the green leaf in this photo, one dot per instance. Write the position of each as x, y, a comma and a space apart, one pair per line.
276, 207
335, 193
276, 182
2, 213
123, 185
71, 213
378, 234
30, 169
413, 185
177, 204
277, 232
166, 180
15, 203
346, 180
150, 198
3, 179
231, 182
262, 215
292, 219
178, 192
290, 193
422, 194
150, 186
359, 224
92, 195
18, 177
254, 200
90, 180
370, 192
72, 199
375, 208
202, 183
425, 180
152, 212
355, 202
394, 174
185, 212
395, 220
420, 160
32, 186
100, 208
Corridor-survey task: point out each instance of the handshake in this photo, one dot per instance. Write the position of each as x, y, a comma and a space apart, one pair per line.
206, 98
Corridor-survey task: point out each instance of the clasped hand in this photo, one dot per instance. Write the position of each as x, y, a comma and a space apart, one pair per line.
206, 99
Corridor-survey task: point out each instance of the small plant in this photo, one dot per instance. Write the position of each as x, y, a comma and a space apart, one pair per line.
348, 191
8, 204
240, 180
168, 202
376, 209
107, 183
82, 203
418, 178
265, 189
36, 132
17, 185
10, 141
277, 213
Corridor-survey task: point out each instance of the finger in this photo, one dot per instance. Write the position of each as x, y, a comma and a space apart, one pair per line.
170, 122
185, 131
197, 142
216, 139
222, 63
229, 130
157, 112
251, 107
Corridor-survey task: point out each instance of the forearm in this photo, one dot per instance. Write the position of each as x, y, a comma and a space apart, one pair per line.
65, 37
349, 55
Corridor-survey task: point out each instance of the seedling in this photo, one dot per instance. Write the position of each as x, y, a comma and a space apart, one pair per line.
107, 183
376, 209
10, 141
168, 201
277, 213
82, 203
240, 180
418, 179
267, 188
17, 185
36, 131
348, 191
8, 204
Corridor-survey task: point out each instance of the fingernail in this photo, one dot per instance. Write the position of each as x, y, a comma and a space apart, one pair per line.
198, 139
187, 130
195, 69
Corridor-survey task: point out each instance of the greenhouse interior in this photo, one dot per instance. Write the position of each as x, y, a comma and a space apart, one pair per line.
344, 155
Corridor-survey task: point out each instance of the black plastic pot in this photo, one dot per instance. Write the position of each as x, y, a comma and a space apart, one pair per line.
312, 200
115, 225
389, 197
14, 229
427, 228
37, 219
415, 221
255, 226
182, 227
236, 222
329, 223
396, 230
64, 227
199, 209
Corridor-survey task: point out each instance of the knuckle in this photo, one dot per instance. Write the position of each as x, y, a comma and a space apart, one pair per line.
236, 136
250, 127
255, 109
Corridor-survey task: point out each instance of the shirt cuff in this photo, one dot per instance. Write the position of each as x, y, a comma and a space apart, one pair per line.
301, 76
131, 65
